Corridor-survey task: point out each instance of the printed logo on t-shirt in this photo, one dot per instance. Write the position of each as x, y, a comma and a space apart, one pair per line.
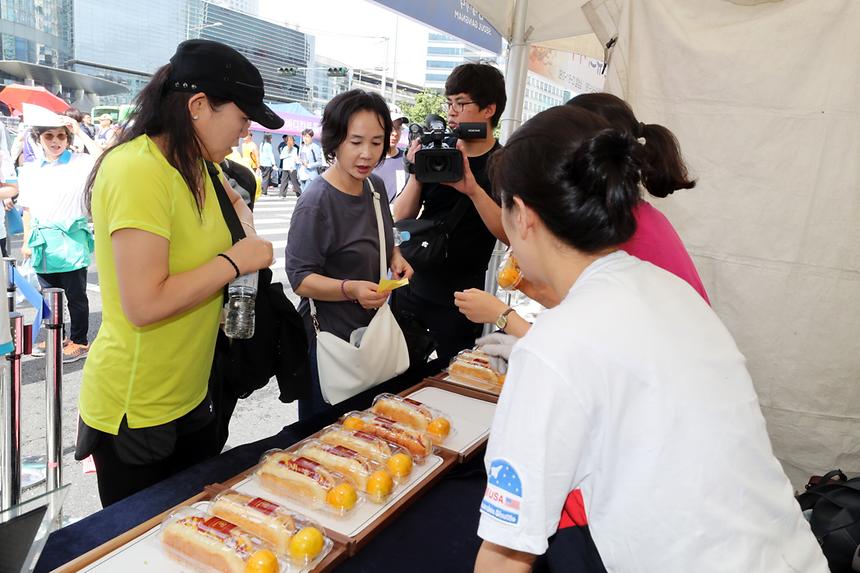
504, 493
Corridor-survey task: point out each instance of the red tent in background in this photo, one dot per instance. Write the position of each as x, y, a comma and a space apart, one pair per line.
16, 95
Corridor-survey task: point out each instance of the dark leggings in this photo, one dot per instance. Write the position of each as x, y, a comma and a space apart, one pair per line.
75, 285
118, 480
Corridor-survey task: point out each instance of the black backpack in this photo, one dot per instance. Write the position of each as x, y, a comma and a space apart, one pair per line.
835, 520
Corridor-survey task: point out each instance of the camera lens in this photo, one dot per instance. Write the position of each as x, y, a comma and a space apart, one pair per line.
438, 164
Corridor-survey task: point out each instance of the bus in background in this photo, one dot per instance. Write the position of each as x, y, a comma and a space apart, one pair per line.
118, 113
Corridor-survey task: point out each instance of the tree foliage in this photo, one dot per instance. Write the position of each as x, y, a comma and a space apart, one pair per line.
426, 102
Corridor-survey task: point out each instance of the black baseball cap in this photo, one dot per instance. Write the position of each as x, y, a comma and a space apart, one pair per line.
218, 70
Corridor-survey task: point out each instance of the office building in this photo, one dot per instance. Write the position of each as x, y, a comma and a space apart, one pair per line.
267, 45
34, 31
444, 53
106, 46
36, 37
541, 93
251, 7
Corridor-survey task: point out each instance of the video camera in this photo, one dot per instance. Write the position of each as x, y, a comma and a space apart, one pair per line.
438, 161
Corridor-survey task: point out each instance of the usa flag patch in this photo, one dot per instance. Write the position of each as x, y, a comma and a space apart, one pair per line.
504, 494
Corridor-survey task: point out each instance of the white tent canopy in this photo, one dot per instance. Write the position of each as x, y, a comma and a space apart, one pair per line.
550, 23
764, 97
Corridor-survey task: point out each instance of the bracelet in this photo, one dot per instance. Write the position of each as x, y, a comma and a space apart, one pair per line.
343, 291
232, 263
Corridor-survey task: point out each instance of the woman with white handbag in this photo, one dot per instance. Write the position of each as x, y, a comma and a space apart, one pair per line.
339, 247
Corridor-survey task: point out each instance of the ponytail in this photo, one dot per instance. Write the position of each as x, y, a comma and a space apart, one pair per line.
605, 170
663, 168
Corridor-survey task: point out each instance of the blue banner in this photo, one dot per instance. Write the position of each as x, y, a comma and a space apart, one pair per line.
454, 17
34, 297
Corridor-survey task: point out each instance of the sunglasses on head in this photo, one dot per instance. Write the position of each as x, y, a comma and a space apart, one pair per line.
60, 136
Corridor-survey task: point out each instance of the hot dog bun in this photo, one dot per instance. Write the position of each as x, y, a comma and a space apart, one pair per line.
258, 516
472, 365
416, 443
210, 541
296, 476
413, 414
368, 445
340, 459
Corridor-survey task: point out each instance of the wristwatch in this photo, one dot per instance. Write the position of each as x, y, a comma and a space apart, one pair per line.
502, 321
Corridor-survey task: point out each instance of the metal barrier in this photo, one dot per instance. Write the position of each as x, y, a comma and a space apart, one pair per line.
491, 279
54, 386
10, 398
10, 417
10, 282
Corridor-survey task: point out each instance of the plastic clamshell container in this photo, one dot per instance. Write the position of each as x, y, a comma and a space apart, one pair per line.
276, 525
209, 543
474, 366
510, 275
308, 482
371, 447
436, 424
418, 444
369, 476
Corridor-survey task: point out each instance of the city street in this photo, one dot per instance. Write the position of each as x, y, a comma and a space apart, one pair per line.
258, 416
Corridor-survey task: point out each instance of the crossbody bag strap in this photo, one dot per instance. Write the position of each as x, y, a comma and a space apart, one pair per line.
237, 233
383, 250
227, 209
380, 227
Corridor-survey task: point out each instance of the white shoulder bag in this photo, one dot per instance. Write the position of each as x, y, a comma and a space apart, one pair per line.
373, 354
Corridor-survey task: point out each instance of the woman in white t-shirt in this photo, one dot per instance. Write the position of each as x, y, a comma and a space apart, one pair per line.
56, 228
628, 436
8, 187
289, 155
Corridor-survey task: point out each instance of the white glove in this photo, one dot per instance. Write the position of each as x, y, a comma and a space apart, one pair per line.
498, 346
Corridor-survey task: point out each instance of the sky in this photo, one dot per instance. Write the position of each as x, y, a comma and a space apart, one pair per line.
358, 33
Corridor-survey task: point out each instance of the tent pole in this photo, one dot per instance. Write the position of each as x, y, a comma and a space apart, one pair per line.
515, 85
515, 74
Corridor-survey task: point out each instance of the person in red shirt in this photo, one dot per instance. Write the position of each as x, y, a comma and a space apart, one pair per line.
655, 239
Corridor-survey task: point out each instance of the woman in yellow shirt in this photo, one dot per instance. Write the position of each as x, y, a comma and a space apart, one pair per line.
164, 254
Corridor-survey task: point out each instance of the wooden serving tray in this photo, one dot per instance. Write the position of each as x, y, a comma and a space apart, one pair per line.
337, 554
487, 391
431, 391
399, 506
355, 529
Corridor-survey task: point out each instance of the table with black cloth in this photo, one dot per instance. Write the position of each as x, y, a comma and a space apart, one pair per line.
436, 533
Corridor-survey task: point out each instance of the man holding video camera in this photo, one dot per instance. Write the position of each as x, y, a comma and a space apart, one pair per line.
475, 93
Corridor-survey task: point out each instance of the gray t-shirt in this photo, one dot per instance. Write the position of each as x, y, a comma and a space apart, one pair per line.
393, 173
334, 234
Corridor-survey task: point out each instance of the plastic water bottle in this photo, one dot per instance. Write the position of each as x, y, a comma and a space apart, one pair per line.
241, 297
400, 237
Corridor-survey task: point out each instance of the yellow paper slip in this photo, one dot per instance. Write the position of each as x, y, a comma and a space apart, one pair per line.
386, 285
